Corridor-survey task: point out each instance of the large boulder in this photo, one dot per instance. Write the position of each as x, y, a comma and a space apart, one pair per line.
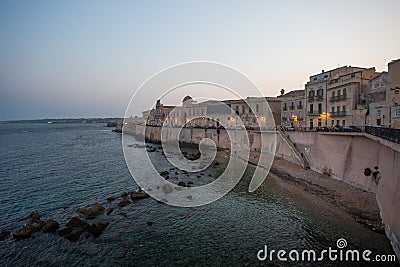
23, 233
75, 222
97, 228
139, 195
51, 226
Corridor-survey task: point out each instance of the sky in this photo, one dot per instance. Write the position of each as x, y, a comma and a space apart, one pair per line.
87, 58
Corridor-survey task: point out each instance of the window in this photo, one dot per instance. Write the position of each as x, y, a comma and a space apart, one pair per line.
257, 108
311, 94
338, 109
243, 109
353, 75
320, 92
291, 114
378, 113
397, 112
319, 108
333, 93
311, 108
344, 91
344, 109
300, 103
319, 122
338, 122
284, 105
333, 109
237, 109
343, 122
300, 114
338, 92
284, 115
333, 122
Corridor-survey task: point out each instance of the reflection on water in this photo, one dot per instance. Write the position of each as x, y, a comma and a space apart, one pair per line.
57, 168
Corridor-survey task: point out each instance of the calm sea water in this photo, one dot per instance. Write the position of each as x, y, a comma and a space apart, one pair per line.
57, 168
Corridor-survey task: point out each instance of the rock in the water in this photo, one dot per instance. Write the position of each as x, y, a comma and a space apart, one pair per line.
34, 216
109, 211
74, 235
139, 195
189, 182
110, 199
4, 235
37, 225
164, 174
216, 163
124, 202
167, 188
189, 197
149, 223
124, 194
97, 228
65, 230
83, 211
75, 222
94, 211
51, 226
181, 184
23, 233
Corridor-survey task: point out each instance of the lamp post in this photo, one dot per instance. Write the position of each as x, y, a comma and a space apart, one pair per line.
326, 115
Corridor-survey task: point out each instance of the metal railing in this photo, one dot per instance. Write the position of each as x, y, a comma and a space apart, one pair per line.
385, 133
338, 114
337, 98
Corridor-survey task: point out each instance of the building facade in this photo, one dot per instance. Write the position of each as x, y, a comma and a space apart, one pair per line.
393, 96
293, 109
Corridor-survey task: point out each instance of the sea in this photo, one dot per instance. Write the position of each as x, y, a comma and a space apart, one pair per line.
57, 168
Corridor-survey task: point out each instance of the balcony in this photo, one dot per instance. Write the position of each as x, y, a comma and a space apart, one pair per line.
291, 107
337, 98
313, 113
338, 114
299, 106
311, 98
284, 108
320, 97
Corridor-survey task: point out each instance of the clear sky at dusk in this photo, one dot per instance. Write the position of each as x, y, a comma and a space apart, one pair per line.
86, 58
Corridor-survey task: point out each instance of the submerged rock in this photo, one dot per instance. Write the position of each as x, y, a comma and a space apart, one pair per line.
97, 228
51, 226
23, 233
109, 211
36, 225
139, 195
4, 235
125, 201
110, 199
182, 184
167, 188
75, 222
149, 223
65, 230
74, 235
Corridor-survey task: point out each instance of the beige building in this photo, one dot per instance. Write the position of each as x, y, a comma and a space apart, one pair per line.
376, 101
293, 108
333, 97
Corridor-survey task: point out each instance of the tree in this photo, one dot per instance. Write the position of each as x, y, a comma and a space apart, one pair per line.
282, 91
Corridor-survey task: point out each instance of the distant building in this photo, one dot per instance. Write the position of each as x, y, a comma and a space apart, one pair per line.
376, 101
293, 108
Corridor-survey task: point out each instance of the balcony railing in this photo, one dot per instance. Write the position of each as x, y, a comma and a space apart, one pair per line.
311, 98
313, 112
291, 107
284, 108
319, 97
299, 106
338, 114
337, 98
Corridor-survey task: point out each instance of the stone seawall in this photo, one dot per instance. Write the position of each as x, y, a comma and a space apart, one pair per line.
358, 159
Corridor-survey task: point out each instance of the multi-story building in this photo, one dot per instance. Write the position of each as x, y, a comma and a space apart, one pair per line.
332, 97
345, 88
292, 108
393, 96
316, 99
376, 101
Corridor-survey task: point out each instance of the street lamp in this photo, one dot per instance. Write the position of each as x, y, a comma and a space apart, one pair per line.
326, 115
